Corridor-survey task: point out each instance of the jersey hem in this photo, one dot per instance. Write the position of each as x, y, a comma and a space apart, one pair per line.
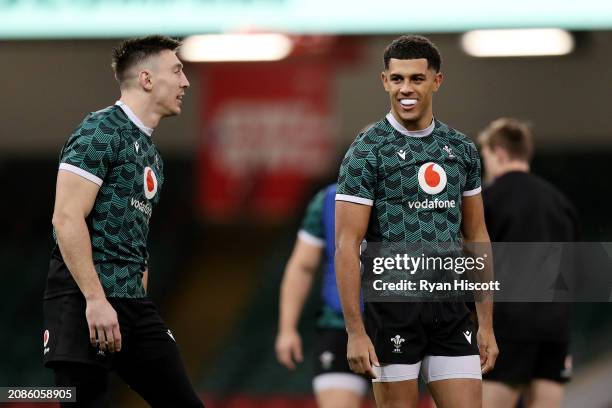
354, 199
80, 172
472, 192
310, 238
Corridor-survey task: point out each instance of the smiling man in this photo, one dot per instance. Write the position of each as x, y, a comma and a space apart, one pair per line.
96, 314
410, 178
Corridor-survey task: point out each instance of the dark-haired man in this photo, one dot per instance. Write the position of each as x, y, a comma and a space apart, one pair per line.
96, 314
389, 172
522, 207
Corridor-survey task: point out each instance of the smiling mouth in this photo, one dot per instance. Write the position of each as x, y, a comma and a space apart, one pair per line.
408, 102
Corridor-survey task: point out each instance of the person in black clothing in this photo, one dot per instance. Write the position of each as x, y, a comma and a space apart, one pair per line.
533, 338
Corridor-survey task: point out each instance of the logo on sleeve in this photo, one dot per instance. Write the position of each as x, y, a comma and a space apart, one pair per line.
150, 183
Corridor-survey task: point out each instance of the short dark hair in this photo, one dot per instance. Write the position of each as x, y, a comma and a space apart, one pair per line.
512, 135
135, 50
413, 47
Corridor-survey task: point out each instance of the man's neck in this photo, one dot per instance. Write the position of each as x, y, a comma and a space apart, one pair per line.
512, 166
422, 124
142, 108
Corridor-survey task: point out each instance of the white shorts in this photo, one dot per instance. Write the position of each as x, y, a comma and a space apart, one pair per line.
435, 368
340, 381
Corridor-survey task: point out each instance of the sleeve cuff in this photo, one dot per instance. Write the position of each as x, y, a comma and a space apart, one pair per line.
354, 199
79, 171
310, 239
472, 192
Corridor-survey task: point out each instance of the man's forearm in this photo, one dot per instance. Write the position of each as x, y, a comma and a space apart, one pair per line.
349, 287
145, 279
294, 290
75, 245
483, 299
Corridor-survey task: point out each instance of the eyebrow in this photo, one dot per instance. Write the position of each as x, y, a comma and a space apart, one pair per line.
410, 75
178, 65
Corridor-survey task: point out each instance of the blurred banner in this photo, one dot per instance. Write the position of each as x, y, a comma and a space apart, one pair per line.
266, 131
120, 18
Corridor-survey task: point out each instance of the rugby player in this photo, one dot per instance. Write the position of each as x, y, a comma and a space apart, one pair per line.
410, 157
334, 384
533, 338
97, 316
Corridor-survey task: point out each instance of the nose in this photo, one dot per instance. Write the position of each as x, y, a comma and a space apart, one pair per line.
406, 88
184, 81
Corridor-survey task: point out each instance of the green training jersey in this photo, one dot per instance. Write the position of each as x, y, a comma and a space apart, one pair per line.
311, 230
414, 181
113, 149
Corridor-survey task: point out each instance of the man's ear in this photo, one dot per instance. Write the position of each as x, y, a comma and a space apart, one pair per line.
144, 79
385, 80
438, 79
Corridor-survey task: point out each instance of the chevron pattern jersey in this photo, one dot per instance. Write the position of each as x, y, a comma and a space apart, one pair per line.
113, 152
414, 181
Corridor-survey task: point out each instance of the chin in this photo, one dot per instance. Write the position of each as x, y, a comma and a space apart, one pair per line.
173, 112
410, 116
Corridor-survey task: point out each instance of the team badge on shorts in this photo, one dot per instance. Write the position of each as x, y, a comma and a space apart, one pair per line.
567, 367
468, 336
45, 341
397, 343
326, 358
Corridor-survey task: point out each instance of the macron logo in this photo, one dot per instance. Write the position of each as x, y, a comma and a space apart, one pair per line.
402, 154
468, 336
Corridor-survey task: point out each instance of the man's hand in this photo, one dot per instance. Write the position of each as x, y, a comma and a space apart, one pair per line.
103, 325
289, 348
361, 355
487, 346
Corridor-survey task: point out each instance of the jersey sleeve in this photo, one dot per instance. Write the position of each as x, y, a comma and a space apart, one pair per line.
357, 179
311, 230
89, 152
473, 178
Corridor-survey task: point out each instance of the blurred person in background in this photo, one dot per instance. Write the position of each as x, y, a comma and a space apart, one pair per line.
402, 161
97, 316
533, 338
334, 384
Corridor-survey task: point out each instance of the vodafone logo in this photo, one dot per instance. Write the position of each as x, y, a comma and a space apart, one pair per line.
45, 338
432, 178
150, 183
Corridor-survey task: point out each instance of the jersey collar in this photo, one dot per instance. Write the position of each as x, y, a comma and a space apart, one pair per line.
416, 133
132, 116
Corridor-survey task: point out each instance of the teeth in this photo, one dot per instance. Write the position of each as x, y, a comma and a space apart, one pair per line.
408, 102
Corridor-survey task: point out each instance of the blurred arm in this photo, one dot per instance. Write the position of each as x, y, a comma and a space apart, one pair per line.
297, 281
295, 287
474, 231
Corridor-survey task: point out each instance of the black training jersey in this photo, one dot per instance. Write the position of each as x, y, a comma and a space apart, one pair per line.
522, 207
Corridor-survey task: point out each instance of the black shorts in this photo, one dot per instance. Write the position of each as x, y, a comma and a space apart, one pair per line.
144, 334
520, 362
330, 352
404, 333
